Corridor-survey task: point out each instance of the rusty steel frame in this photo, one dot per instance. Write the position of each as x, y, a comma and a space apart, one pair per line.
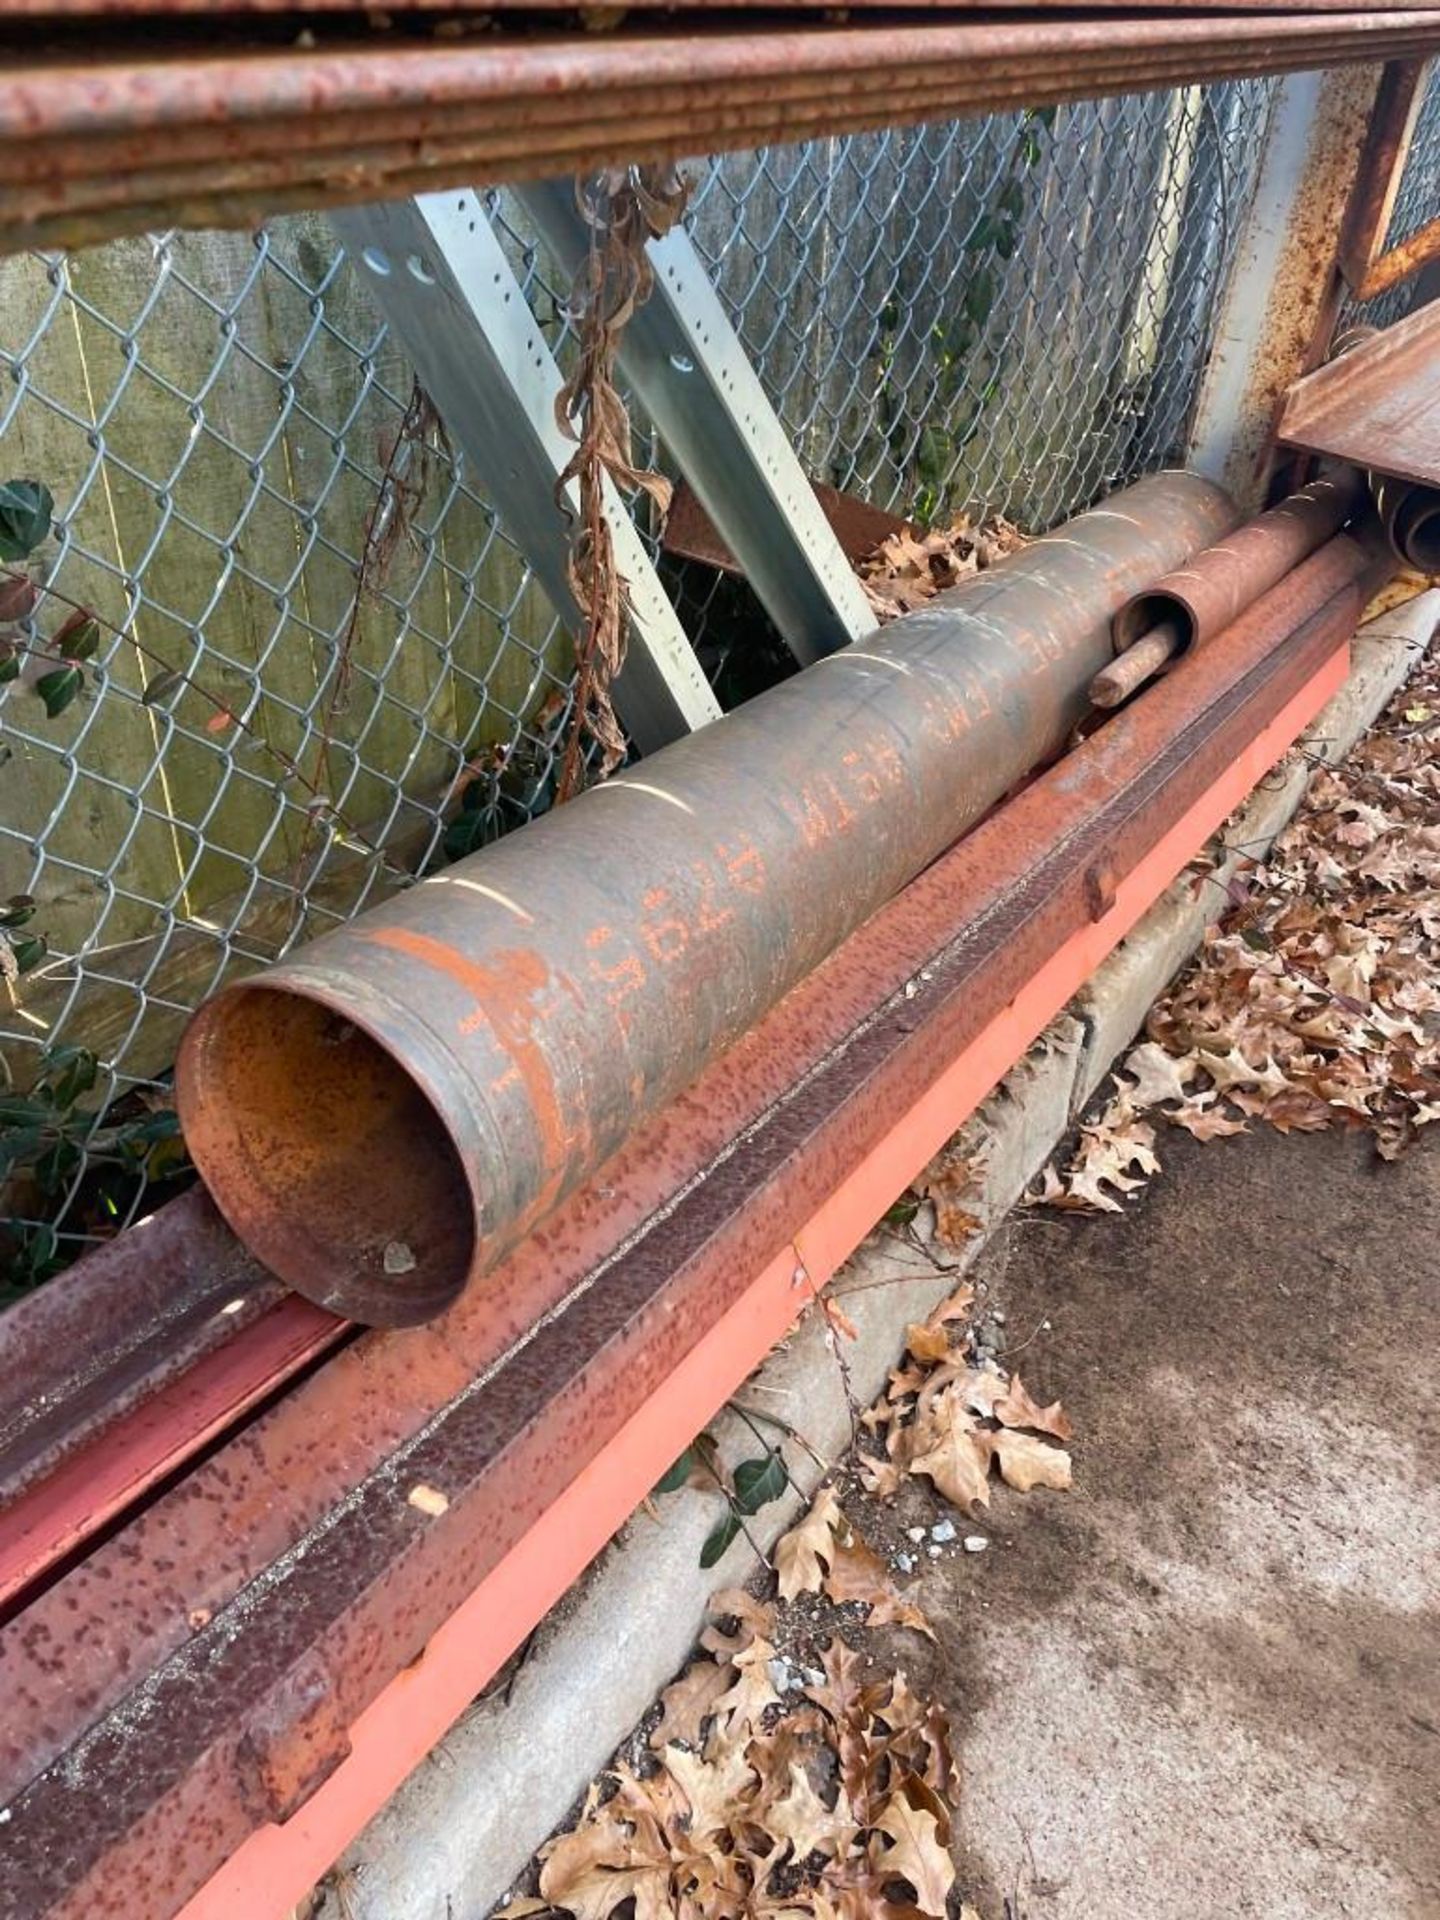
178, 133
1369, 267
249, 1655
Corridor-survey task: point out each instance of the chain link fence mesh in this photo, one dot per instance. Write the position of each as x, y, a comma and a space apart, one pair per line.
327, 667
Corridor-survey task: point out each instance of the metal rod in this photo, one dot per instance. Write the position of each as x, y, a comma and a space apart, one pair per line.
240, 134
381, 1118
1137, 664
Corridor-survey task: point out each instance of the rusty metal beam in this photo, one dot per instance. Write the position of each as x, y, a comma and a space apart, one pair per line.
1376, 405
180, 132
230, 1712
1377, 181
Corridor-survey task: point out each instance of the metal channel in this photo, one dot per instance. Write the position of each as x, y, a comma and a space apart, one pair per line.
441, 278
682, 355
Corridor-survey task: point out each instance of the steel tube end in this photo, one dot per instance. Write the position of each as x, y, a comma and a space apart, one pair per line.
326, 1154
1141, 616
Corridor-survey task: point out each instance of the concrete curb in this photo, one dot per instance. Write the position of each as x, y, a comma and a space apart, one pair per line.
460, 1830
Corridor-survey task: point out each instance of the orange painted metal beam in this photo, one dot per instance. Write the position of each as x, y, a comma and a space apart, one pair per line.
273, 1870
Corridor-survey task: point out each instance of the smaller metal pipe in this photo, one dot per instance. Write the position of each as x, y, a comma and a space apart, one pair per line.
1137, 664
1410, 515
1203, 597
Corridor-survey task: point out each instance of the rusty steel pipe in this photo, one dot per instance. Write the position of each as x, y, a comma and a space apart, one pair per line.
1211, 590
248, 130
384, 1116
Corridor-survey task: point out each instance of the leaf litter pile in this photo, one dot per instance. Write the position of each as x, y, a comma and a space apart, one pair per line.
788, 1777
1316, 1000
912, 566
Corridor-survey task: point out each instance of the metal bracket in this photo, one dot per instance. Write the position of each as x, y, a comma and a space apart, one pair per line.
687, 365
444, 284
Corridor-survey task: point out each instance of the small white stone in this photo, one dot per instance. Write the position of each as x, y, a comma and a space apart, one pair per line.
917, 1534
943, 1530
975, 1543
812, 1676
998, 1317
781, 1678
934, 1552
398, 1258
905, 1562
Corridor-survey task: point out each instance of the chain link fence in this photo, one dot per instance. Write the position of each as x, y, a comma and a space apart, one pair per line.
325, 666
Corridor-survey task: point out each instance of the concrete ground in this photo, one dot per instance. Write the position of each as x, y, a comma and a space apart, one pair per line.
1206, 1682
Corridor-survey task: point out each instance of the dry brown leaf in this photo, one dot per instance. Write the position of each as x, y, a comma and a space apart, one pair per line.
689, 1701
1027, 1462
802, 1818
1015, 1408
752, 1692
953, 1452
916, 1854
714, 1790
927, 1343
802, 1554
882, 1478
858, 1573
1206, 1119
955, 1307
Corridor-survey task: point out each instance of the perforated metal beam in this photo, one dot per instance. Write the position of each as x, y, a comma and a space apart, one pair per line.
444, 284
687, 364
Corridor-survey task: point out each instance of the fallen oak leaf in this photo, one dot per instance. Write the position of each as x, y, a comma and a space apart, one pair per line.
714, 1790
687, 1703
858, 1573
802, 1819
927, 1343
1026, 1461
1015, 1408
802, 1554
915, 1854
953, 1453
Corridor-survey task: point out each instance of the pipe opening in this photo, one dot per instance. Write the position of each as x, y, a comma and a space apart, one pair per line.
1417, 529
327, 1156
1148, 611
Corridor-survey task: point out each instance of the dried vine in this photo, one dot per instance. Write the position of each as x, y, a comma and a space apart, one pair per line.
623, 208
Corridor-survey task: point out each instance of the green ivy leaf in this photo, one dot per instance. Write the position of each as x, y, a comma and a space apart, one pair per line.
58, 689
675, 1477
757, 1482
19, 1110
19, 908
78, 638
68, 1072
29, 953
719, 1537
160, 686
26, 507
9, 663
57, 1167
